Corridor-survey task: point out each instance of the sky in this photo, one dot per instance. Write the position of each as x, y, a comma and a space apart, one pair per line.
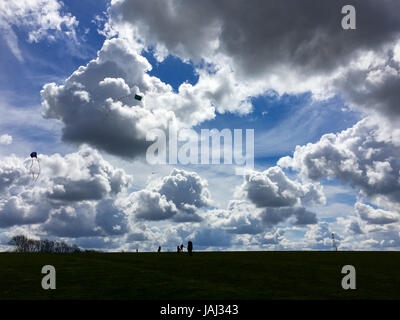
321, 101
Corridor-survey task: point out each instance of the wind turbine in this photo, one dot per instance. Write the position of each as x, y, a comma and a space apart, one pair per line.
333, 242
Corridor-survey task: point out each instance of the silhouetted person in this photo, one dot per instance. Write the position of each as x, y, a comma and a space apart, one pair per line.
190, 247
159, 249
182, 246
178, 249
137, 250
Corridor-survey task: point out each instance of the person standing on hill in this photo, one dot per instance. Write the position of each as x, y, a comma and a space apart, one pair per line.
190, 247
159, 249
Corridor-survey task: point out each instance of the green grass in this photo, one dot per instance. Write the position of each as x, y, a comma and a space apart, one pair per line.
205, 275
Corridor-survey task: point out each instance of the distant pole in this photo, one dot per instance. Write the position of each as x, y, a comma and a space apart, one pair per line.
333, 242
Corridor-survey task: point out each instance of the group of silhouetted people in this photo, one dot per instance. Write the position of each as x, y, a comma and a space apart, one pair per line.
179, 249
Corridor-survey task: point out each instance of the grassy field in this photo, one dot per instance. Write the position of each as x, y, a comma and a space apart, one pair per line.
205, 275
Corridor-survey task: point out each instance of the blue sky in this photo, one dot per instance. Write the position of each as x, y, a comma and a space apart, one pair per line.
46, 60
337, 179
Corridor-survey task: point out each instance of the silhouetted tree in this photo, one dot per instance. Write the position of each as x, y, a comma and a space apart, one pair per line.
23, 244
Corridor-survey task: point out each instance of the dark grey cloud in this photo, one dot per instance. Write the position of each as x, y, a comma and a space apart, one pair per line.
184, 216
82, 104
291, 39
79, 190
375, 88
259, 35
273, 216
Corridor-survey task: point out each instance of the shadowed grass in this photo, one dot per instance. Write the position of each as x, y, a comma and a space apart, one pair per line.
205, 275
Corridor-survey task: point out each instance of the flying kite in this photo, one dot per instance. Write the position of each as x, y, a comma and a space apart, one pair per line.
136, 96
34, 169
